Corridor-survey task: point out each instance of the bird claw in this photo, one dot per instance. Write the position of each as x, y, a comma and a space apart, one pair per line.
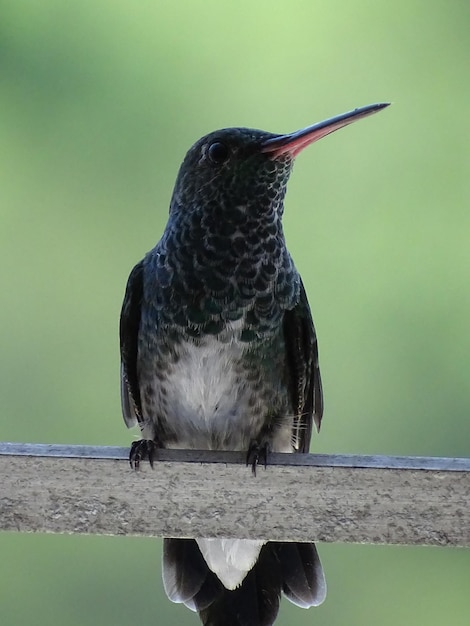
257, 455
140, 451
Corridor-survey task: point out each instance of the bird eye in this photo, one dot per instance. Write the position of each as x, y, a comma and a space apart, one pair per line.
218, 152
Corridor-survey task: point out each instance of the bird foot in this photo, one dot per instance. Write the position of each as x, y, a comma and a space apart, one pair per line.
257, 455
142, 450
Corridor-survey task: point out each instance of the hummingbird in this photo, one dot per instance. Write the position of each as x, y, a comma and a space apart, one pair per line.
219, 352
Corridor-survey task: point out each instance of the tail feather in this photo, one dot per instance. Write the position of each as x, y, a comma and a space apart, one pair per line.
292, 568
255, 602
303, 578
210, 590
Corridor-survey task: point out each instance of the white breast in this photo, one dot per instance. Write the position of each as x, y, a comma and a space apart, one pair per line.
205, 397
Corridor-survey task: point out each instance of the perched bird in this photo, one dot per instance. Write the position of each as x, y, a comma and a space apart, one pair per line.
219, 352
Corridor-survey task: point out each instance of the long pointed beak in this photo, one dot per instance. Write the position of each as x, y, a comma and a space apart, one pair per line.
293, 143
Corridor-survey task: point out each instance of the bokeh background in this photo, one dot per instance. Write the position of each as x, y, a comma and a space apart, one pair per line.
98, 103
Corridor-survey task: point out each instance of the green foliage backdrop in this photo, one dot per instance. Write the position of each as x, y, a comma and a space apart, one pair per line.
99, 102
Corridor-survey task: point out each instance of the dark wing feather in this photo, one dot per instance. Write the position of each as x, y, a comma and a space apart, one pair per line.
128, 333
302, 361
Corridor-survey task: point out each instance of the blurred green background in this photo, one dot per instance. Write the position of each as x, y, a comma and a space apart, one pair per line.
98, 103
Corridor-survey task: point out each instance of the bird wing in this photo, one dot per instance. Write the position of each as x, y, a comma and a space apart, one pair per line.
302, 361
129, 332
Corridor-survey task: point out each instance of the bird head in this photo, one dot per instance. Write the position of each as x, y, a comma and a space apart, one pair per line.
245, 171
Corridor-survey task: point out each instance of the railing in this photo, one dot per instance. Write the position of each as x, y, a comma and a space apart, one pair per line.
334, 498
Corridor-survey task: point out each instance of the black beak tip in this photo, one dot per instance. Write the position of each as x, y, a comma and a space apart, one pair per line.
382, 105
